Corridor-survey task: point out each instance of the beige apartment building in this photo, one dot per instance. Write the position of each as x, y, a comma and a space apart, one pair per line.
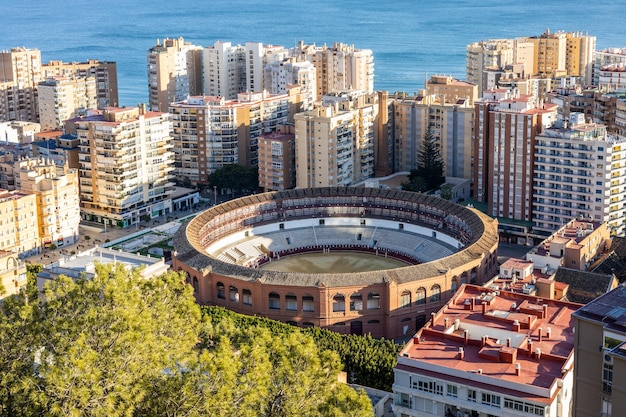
20, 72
174, 72
446, 109
58, 204
210, 132
12, 274
506, 124
277, 155
340, 67
600, 356
19, 231
126, 165
335, 141
62, 98
104, 72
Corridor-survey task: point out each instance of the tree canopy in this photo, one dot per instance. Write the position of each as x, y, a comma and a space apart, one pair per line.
429, 172
121, 345
236, 177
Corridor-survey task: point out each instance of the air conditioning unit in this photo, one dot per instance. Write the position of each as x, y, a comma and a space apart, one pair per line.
608, 358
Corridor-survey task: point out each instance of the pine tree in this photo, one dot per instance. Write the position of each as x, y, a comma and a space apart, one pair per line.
429, 163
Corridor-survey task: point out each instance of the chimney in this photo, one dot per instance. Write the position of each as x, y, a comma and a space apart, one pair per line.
530, 348
480, 371
457, 323
508, 342
461, 353
445, 322
416, 340
530, 320
483, 341
484, 308
472, 302
518, 369
539, 330
548, 332
432, 319
538, 353
545, 311
516, 326
465, 337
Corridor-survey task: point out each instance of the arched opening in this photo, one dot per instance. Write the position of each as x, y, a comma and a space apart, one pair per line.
435, 293
233, 294
454, 284
291, 302
473, 276
221, 291
196, 285
464, 278
247, 297
356, 302
274, 301
308, 303
420, 296
405, 299
339, 303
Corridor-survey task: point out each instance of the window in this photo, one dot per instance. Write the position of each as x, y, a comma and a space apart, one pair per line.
307, 303
356, 302
471, 395
491, 400
291, 302
420, 296
221, 291
405, 299
435, 293
453, 285
247, 297
452, 391
234, 294
373, 301
339, 303
607, 378
527, 408
196, 286
274, 300
428, 386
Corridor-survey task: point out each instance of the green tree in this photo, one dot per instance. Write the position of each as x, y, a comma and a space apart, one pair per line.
445, 192
236, 177
429, 163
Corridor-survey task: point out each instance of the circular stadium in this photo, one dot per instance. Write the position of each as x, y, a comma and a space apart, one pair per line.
361, 260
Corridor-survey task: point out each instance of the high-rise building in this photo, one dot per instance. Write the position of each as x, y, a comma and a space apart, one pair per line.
490, 54
58, 205
20, 72
19, 228
335, 141
579, 172
62, 98
446, 110
277, 159
126, 165
174, 72
600, 356
230, 70
490, 353
341, 67
605, 58
104, 72
280, 75
506, 124
210, 132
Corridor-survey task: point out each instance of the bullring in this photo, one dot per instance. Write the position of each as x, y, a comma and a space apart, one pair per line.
211, 248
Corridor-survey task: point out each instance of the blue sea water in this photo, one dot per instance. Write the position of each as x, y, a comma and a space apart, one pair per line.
411, 39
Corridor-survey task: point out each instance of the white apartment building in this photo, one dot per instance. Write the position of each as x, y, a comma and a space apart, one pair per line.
58, 205
126, 165
174, 72
335, 141
579, 172
489, 354
607, 57
20, 72
612, 78
280, 75
62, 98
230, 70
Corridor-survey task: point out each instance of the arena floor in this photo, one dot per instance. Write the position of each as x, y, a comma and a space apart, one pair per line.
333, 262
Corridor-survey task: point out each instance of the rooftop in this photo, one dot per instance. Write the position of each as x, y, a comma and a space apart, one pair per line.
609, 309
510, 340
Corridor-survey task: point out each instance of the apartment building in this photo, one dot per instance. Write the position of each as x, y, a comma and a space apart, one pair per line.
600, 352
19, 232
335, 141
340, 67
104, 72
13, 278
605, 58
126, 163
489, 354
446, 109
579, 171
210, 132
58, 205
230, 70
174, 72
612, 77
16, 132
506, 124
277, 157
61, 98
280, 75
20, 72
